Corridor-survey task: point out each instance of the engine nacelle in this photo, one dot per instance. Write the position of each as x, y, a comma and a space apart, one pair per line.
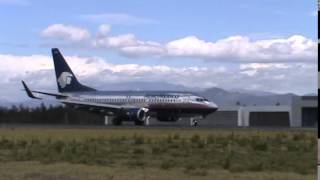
142, 114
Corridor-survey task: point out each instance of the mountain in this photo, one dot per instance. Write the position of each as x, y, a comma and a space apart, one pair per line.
252, 92
229, 98
146, 86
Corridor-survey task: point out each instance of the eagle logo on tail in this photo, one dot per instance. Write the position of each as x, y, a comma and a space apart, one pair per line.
65, 79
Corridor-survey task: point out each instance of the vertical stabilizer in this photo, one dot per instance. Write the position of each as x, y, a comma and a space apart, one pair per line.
66, 80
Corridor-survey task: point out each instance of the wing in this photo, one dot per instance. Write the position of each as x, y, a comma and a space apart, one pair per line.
96, 107
31, 95
109, 109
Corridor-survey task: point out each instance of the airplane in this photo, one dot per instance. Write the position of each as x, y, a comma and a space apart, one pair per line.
137, 106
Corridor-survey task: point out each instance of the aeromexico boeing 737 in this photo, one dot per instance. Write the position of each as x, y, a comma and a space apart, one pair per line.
136, 106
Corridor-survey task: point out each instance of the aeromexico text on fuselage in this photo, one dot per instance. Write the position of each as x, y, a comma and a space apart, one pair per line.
138, 106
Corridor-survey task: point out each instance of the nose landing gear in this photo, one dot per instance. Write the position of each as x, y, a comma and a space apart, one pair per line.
194, 121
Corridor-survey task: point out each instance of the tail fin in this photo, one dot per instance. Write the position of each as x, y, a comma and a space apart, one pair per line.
66, 80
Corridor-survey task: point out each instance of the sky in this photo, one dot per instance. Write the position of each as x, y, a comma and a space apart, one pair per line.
265, 45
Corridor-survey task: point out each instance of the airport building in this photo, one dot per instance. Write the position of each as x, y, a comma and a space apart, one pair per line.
302, 112
255, 116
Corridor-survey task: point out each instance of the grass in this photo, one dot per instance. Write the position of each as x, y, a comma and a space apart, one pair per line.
31, 170
196, 153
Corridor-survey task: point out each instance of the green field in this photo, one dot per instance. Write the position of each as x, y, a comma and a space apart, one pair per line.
138, 153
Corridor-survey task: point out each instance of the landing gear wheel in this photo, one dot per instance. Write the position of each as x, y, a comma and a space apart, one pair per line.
116, 121
195, 123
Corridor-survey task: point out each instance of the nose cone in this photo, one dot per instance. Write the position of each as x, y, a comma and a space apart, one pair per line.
213, 107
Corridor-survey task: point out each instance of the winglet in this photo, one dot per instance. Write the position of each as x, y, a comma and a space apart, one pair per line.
29, 93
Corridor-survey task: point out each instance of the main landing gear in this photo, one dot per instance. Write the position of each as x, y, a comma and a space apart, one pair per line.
194, 121
143, 122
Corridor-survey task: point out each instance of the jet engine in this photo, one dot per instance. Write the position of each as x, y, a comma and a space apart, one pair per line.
142, 114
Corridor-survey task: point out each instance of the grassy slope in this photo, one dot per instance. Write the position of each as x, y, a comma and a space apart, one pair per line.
156, 154
66, 171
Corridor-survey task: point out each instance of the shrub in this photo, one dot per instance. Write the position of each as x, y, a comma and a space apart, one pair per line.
169, 139
259, 145
115, 141
21, 143
167, 164
155, 150
237, 168
136, 163
138, 139
227, 162
256, 166
6, 143
198, 172
299, 136
195, 138
58, 146
138, 151
210, 139
176, 136
190, 166
201, 144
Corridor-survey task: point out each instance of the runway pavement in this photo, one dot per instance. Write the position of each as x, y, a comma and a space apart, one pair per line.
152, 126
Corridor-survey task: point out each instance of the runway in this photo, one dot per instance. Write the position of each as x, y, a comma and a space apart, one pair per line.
152, 126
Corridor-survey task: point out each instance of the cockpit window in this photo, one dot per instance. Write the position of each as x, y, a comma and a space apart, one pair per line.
201, 99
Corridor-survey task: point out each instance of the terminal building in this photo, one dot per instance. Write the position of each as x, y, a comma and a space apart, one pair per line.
302, 112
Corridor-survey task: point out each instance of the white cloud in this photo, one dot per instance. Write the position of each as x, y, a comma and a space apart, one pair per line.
251, 69
104, 29
97, 72
117, 18
263, 66
232, 49
66, 32
295, 48
238, 48
122, 40
143, 50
